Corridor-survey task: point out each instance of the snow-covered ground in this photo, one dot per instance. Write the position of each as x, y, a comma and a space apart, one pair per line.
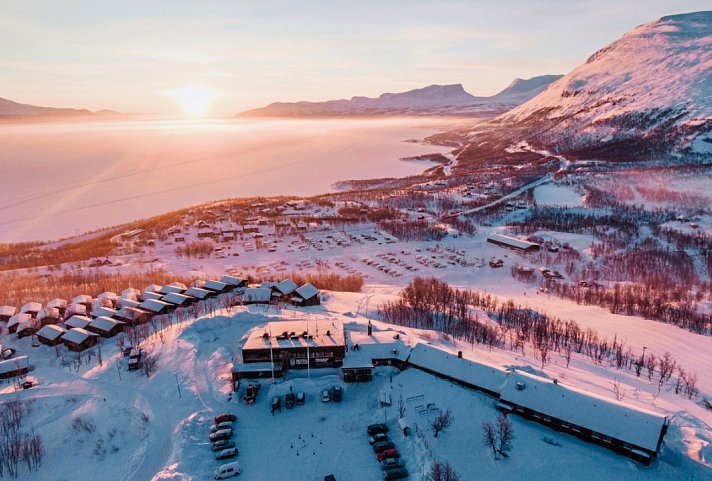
557, 195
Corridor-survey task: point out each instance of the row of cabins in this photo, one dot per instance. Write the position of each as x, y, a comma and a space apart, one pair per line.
621, 427
109, 314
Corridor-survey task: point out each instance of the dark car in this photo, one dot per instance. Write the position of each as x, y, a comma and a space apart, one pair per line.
222, 434
223, 425
336, 393
225, 417
300, 397
220, 445
377, 428
398, 473
289, 400
388, 453
383, 446
377, 438
391, 463
226, 454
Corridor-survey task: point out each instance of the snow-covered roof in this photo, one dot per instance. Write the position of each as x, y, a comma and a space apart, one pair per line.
57, 303
512, 241
257, 294
48, 312
7, 311
77, 335
18, 318
124, 302
151, 295
175, 298
107, 295
130, 293
104, 323
82, 299
77, 322
152, 288
197, 292
606, 416
287, 286
317, 331
215, 285
77, 308
11, 365
103, 311
232, 281
471, 372
51, 332
31, 307
130, 313
307, 291
154, 305
168, 288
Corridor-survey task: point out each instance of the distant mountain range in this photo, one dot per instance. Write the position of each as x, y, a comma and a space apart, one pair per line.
10, 109
431, 100
647, 95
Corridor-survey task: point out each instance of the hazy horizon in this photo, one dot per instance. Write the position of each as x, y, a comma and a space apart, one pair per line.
185, 58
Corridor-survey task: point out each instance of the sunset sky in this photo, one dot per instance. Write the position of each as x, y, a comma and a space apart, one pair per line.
159, 56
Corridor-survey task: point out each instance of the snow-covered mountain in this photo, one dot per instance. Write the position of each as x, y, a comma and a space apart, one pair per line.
647, 93
10, 109
433, 99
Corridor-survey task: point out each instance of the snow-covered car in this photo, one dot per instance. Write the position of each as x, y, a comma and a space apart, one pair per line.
391, 463
227, 471
222, 434
222, 444
336, 392
224, 417
397, 473
325, 396
383, 446
377, 438
377, 428
300, 397
388, 453
226, 454
222, 425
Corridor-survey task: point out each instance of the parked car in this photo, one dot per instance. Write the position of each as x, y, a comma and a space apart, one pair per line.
223, 425
223, 444
227, 471
289, 400
398, 473
391, 463
300, 397
222, 434
325, 396
383, 446
221, 418
276, 403
388, 453
336, 393
376, 438
226, 454
377, 428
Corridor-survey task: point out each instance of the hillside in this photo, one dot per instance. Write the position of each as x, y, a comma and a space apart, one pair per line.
434, 99
647, 94
10, 109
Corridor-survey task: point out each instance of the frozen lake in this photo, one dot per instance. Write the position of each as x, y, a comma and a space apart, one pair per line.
60, 179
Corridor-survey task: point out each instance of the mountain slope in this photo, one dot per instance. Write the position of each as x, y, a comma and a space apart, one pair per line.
650, 92
434, 99
11, 109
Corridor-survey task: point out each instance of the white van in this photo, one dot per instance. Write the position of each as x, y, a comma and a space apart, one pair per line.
227, 470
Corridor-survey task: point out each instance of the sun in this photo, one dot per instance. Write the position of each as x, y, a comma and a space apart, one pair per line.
195, 101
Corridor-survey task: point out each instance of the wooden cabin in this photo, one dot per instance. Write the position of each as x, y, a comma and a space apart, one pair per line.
78, 340
51, 335
306, 295
105, 326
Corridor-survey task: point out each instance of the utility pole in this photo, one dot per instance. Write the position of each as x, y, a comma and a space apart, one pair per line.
178, 384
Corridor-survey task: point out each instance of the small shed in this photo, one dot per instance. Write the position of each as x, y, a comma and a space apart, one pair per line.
132, 316
49, 315
14, 322
32, 308
172, 288
178, 300
105, 326
59, 304
103, 312
127, 302
78, 340
306, 295
18, 366
83, 299
75, 322
75, 310
233, 282
51, 335
199, 293
216, 286
6, 312
130, 293
284, 288
151, 296
154, 306
27, 327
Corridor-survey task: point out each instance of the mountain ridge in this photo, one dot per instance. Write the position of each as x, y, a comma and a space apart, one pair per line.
12, 109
